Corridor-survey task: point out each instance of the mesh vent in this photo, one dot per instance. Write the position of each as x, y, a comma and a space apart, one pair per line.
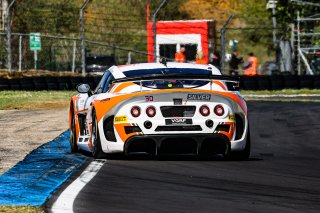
177, 111
178, 128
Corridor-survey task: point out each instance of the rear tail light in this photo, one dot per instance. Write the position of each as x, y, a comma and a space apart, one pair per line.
204, 110
151, 111
219, 110
135, 111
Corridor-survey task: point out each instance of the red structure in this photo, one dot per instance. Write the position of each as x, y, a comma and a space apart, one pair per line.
195, 35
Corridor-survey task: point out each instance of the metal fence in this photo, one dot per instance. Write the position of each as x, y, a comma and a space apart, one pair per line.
60, 53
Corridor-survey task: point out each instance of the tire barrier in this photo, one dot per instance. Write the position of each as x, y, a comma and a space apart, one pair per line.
64, 83
27, 84
52, 83
14, 84
316, 82
4, 84
248, 83
91, 81
276, 82
291, 82
75, 81
306, 82
40, 83
264, 83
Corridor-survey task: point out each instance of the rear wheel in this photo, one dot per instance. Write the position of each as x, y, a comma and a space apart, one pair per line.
244, 154
73, 136
95, 137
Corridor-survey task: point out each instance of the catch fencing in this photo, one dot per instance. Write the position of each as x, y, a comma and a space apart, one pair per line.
60, 53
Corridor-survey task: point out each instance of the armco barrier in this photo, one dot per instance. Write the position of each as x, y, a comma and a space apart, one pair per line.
276, 82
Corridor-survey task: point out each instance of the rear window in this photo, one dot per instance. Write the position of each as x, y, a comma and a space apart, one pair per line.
172, 83
164, 71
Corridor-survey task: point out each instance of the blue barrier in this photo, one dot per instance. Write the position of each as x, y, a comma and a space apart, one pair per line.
32, 181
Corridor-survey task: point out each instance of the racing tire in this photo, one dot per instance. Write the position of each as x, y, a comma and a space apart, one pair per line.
73, 136
245, 153
97, 152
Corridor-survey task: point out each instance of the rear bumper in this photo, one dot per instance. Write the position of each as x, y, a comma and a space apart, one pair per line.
196, 144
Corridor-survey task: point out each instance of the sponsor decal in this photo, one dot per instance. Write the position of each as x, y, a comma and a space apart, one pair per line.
121, 119
178, 121
231, 117
198, 97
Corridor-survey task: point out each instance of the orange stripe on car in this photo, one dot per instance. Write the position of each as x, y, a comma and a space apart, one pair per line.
122, 86
102, 107
219, 83
120, 130
231, 130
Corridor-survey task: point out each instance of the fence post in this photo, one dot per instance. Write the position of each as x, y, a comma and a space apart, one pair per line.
35, 55
9, 64
223, 47
154, 28
74, 55
83, 45
20, 53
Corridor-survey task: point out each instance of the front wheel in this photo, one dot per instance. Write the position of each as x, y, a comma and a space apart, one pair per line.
95, 137
73, 136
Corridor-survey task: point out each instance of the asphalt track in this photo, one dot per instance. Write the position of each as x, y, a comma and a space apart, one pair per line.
282, 174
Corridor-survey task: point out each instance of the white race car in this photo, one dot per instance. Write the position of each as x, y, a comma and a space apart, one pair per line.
159, 109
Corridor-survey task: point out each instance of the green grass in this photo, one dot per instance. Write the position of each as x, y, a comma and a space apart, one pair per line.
21, 209
60, 99
34, 99
281, 92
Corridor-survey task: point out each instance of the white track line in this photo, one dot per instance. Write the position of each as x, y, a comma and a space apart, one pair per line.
66, 199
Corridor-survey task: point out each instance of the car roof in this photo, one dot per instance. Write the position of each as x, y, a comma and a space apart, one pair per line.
118, 71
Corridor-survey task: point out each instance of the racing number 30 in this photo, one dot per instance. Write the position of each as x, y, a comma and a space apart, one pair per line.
149, 98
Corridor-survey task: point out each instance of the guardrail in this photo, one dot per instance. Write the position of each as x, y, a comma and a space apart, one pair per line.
276, 82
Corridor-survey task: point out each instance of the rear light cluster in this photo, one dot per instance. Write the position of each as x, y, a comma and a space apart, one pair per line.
150, 111
135, 111
219, 110
205, 111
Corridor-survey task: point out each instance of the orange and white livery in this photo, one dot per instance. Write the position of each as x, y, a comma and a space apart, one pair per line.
154, 108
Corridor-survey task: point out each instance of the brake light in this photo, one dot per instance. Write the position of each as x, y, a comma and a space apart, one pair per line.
204, 110
219, 110
135, 111
151, 111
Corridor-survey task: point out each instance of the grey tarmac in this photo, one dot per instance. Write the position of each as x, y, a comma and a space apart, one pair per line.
282, 174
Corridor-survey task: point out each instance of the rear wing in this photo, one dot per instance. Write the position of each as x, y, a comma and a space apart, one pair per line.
232, 83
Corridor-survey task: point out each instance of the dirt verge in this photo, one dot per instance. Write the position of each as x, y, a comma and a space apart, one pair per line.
24, 130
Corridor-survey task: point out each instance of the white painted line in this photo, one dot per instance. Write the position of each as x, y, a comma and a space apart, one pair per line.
66, 199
